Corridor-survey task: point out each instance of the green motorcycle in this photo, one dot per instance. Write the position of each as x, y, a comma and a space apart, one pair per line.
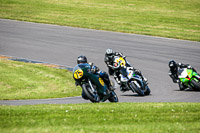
93, 86
189, 79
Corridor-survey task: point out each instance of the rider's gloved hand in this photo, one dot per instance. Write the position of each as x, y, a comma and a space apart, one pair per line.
189, 67
120, 54
137, 71
94, 69
131, 68
91, 64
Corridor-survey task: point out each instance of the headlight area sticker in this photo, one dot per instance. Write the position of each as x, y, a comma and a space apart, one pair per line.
78, 74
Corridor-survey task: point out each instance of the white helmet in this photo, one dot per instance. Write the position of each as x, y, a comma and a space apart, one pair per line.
109, 51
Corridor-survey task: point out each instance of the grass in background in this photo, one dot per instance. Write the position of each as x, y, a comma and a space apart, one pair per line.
174, 19
20, 80
102, 117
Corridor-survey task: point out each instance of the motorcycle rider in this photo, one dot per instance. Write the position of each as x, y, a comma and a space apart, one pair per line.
109, 59
95, 70
173, 72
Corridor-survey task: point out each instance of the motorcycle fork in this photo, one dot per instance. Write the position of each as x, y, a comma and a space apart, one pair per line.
141, 84
90, 83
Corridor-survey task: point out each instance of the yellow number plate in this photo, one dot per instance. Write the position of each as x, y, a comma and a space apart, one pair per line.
78, 74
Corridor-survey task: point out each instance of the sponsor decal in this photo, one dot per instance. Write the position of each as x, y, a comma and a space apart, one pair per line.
101, 81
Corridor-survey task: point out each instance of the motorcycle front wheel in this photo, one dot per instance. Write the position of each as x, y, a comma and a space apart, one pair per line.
136, 89
196, 85
113, 97
148, 91
90, 93
181, 86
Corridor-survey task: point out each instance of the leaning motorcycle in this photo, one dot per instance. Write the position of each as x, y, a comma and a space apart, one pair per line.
129, 79
189, 78
92, 84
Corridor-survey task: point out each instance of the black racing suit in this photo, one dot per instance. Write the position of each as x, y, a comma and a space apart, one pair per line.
173, 73
109, 60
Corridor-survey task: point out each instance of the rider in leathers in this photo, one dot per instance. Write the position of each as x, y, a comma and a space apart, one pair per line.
95, 70
173, 72
109, 59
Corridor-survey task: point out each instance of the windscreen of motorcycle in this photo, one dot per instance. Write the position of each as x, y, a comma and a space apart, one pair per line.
183, 73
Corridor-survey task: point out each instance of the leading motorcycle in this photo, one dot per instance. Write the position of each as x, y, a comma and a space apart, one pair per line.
189, 79
92, 85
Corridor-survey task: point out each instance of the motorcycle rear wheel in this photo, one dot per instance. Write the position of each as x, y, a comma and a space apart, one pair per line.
93, 96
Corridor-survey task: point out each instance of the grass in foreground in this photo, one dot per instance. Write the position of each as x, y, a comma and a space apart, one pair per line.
102, 117
20, 80
175, 19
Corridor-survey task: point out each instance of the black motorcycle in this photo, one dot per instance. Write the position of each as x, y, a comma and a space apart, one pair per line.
92, 85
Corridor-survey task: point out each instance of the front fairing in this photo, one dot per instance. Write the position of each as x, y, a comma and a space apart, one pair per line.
80, 71
185, 75
131, 75
119, 61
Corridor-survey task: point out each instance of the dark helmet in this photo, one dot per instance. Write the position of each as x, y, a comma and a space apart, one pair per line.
81, 59
109, 51
172, 64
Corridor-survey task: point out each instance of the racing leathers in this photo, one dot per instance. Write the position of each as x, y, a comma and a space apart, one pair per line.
102, 74
173, 73
109, 60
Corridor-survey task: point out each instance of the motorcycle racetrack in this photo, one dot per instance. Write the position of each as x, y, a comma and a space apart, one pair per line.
62, 45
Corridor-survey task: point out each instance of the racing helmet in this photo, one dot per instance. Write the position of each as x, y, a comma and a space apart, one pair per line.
109, 51
172, 64
81, 59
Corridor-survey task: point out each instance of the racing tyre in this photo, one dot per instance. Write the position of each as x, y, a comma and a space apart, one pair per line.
196, 85
90, 93
136, 89
148, 91
182, 86
113, 97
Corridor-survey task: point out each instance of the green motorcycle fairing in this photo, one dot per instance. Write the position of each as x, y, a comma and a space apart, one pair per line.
187, 75
81, 73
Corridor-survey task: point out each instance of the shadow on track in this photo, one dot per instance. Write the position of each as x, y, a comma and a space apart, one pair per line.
133, 95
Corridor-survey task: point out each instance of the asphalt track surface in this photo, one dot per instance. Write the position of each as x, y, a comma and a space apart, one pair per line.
62, 45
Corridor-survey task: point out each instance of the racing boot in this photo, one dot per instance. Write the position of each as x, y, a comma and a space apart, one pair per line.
117, 79
138, 72
111, 88
122, 89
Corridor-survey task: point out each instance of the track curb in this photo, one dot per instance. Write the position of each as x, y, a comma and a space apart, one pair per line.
35, 62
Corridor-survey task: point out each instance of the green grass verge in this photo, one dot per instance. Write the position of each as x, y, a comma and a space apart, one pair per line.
20, 80
174, 19
102, 117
